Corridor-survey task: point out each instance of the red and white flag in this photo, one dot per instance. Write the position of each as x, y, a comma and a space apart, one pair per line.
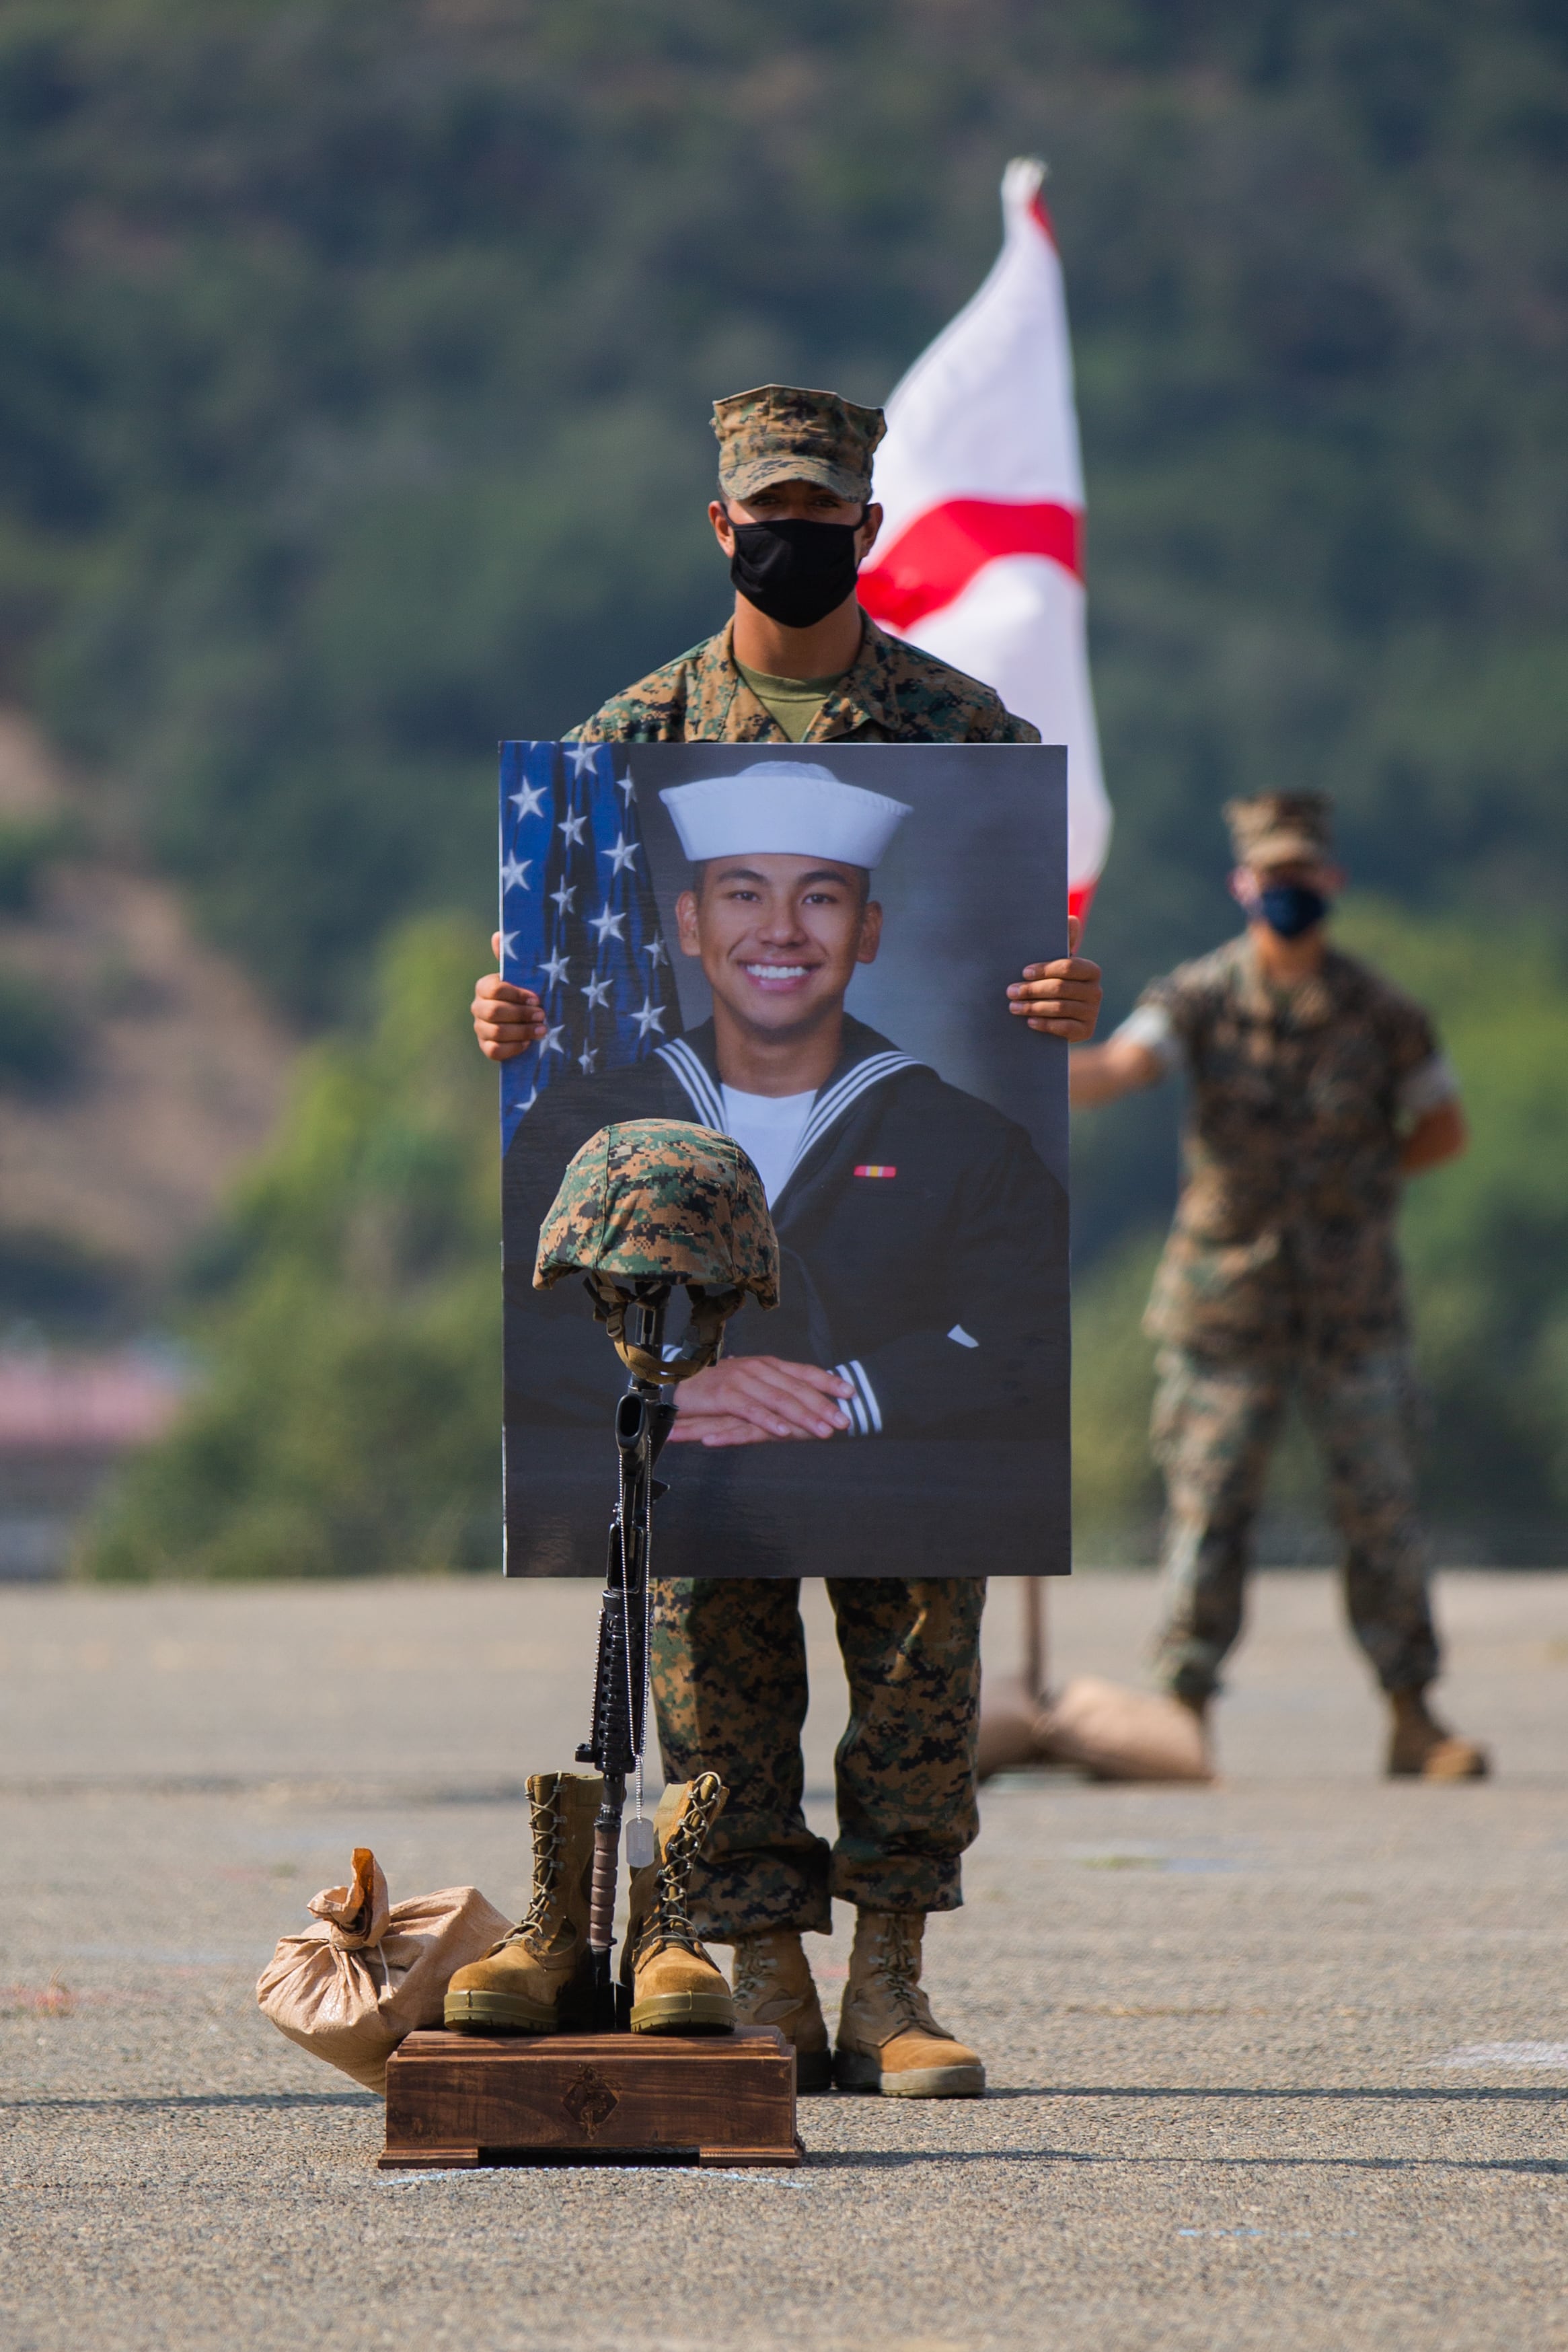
981, 556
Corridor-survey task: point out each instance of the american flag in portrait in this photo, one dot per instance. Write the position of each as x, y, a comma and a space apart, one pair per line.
579, 921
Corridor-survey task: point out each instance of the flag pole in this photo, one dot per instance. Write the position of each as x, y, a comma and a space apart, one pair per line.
1034, 1646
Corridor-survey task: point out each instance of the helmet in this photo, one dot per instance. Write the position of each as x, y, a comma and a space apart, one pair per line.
651, 1202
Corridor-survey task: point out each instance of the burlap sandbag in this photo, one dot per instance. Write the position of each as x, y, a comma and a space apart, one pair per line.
1109, 1732
1123, 1735
348, 1989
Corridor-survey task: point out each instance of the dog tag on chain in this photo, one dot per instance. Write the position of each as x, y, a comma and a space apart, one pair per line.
639, 1844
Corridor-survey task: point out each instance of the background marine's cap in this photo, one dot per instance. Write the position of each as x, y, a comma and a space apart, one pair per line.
1282, 828
781, 434
786, 805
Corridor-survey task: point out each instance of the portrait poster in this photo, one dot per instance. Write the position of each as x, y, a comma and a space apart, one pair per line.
807, 947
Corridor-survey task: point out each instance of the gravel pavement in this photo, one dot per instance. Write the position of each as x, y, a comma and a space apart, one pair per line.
1280, 2063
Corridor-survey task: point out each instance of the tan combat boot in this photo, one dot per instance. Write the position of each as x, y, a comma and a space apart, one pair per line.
675, 1987
773, 1987
539, 1979
888, 2039
1421, 1748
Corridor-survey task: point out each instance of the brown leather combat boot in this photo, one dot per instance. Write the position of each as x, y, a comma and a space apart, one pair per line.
773, 1987
675, 1987
1422, 1748
888, 2039
538, 1979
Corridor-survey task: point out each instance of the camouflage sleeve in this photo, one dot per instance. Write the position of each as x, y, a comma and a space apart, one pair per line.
1412, 1038
999, 725
968, 711
1424, 1078
652, 711
621, 720
1174, 1009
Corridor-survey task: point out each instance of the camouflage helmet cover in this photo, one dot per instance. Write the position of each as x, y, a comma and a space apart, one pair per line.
662, 1200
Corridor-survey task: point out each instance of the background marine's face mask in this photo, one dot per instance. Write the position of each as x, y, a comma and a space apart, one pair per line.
1291, 908
796, 573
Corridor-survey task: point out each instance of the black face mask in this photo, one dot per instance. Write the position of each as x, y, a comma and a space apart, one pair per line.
796, 573
1291, 908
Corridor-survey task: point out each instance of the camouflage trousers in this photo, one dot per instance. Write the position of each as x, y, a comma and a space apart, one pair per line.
1214, 1425
729, 1688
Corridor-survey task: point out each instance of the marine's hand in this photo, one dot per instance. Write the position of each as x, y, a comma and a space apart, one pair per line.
507, 1019
1441, 1135
1059, 999
760, 1394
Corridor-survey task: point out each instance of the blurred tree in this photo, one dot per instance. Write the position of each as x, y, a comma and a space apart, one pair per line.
349, 1328
1486, 1239
1115, 1489
38, 1036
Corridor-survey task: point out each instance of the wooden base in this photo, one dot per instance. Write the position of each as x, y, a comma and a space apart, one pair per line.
458, 2100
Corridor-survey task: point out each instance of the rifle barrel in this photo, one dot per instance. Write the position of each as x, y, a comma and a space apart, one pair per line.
642, 1424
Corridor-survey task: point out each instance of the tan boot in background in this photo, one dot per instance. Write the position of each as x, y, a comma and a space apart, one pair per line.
888, 2039
538, 1979
773, 1987
1421, 1748
675, 1987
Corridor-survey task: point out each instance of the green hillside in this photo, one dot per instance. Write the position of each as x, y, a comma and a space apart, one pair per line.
355, 361
349, 1318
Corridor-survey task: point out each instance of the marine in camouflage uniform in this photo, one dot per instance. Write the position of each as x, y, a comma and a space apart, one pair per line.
729, 1669
1282, 1264
891, 693
1282, 1269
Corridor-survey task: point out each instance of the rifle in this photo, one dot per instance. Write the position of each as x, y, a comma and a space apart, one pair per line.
642, 1422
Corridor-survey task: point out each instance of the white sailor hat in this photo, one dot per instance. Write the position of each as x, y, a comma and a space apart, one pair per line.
786, 805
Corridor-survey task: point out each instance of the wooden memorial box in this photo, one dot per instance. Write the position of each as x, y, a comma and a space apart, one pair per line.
455, 2101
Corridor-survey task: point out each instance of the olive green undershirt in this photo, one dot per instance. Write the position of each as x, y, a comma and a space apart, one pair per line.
790, 702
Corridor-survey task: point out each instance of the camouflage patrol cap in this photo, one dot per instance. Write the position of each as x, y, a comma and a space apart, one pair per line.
660, 1201
1282, 828
782, 434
